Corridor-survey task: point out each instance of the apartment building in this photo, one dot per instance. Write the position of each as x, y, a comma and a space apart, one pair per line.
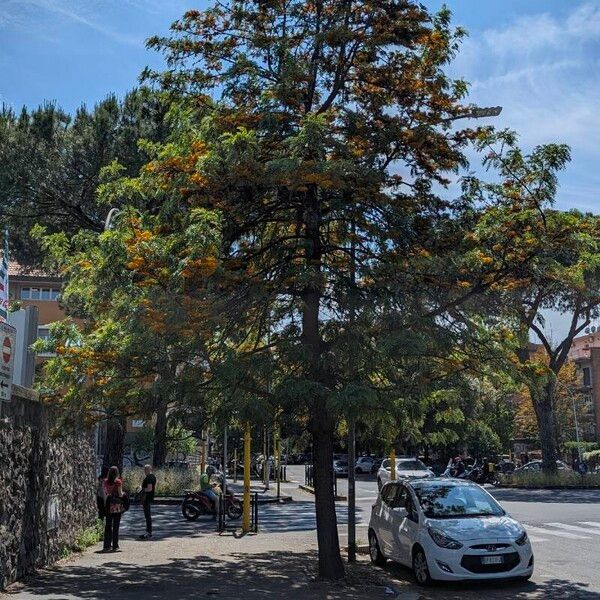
585, 352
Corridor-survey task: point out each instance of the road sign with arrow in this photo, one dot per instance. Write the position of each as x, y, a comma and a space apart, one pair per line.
7, 359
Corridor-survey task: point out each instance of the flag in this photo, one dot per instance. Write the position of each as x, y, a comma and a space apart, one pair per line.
4, 280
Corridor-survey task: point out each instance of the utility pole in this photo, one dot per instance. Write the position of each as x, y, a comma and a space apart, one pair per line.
224, 466
246, 505
277, 450
351, 416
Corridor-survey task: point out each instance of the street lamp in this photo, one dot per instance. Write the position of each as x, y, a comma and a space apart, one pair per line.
112, 213
477, 112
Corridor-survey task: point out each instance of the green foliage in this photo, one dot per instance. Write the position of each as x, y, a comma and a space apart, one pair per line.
169, 482
549, 480
84, 539
592, 458
51, 162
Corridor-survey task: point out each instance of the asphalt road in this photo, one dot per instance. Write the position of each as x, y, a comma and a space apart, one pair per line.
564, 527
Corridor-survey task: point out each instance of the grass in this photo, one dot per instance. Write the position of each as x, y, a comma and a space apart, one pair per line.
169, 482
559, 479
84, 539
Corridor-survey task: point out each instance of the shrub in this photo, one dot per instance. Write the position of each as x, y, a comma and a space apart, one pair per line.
169, 482
531, 479
88, 537
592, 459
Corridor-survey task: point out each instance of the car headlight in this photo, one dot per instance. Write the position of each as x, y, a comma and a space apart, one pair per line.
442, 540
522, 539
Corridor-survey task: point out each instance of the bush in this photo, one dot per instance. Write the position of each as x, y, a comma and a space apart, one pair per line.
169, 482
592, 459
542, 480
88, 537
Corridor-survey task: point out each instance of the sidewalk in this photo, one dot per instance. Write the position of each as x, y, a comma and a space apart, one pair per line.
189, 560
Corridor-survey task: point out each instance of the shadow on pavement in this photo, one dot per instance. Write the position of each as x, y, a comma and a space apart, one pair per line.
589, 496
240, 576
515, 590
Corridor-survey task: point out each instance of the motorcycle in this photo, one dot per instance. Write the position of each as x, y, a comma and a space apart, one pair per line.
196, 504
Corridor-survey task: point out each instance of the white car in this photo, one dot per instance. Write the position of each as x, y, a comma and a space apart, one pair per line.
447, 530
406, 468
340, 468
364, 464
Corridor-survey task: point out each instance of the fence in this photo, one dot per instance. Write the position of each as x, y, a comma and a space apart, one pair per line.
223, 519
309, 478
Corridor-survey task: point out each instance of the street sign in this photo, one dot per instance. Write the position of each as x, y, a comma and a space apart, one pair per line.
7, 359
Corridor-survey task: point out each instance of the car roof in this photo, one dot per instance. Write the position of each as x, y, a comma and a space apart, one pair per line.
440, 481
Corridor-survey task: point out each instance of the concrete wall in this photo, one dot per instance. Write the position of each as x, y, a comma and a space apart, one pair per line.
47, 487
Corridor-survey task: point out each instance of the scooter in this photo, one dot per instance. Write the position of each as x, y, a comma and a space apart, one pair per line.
196, 504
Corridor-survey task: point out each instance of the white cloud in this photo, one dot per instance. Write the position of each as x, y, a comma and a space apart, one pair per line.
80, 12
531, 33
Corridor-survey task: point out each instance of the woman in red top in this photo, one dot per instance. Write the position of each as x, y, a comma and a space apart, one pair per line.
113, 492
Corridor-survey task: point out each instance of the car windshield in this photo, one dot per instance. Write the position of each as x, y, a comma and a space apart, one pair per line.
411, 465
456, 501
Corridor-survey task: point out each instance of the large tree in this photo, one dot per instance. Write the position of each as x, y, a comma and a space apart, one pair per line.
554, 264
51, 162
328, 127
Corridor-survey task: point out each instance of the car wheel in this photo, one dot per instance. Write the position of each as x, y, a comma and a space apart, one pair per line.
377, 558
420, 568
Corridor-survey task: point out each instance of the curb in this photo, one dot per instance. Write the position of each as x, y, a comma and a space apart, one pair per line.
173, 500
514, 486
360, 549
311, 490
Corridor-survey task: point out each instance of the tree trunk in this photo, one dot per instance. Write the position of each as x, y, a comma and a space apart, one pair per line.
543, 403
159, 452
115, 436
330, 561
322, 422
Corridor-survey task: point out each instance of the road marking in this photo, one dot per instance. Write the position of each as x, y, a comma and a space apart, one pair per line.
590, 523
565, 534
574, 528
536, 540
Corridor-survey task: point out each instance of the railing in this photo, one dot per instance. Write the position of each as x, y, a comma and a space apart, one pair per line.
309, 478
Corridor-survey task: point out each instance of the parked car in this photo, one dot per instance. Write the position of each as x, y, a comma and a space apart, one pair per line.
447, 530
364, 464
406, 468
340, 468
536, 466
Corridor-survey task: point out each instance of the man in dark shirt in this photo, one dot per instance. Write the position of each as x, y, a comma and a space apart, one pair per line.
148, 489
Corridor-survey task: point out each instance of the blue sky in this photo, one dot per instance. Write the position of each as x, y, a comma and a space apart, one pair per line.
539, 59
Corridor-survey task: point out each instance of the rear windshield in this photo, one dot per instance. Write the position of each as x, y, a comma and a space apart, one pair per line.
411, 465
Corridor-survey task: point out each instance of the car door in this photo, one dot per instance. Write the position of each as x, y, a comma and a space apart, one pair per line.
386, 518
408, 528
397, 519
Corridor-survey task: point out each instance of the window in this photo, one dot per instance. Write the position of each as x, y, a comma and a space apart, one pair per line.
44, 334
28, 293
394, 495
587, 376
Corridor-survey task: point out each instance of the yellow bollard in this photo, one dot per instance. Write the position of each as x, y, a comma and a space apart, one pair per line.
393, 465
246, 507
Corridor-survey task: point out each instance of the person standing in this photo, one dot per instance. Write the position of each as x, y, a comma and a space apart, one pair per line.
148, 490
113, 491
100, 497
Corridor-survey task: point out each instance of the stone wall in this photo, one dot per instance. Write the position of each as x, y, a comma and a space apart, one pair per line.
47, 487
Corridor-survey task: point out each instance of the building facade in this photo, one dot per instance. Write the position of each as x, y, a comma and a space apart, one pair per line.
585, 353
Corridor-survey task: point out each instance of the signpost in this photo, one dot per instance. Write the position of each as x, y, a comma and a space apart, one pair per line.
7, 358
